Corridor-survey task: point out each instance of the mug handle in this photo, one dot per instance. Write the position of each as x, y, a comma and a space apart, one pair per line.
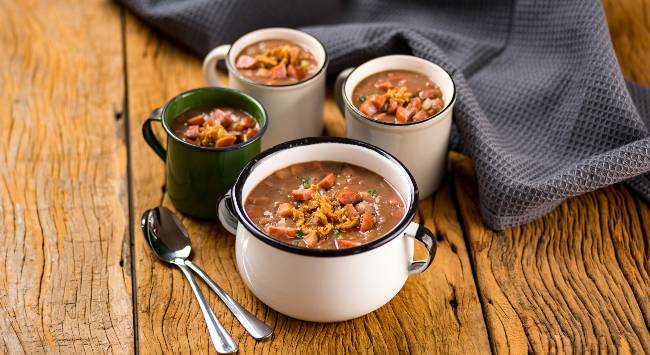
150, 137
226, 213
210, 63
338, 89
424, 236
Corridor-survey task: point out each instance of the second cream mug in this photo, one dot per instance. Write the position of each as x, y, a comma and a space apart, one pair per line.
294, 110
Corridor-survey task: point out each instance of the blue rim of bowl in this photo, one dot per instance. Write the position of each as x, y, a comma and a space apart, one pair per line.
233, 69
214, 149
236, 193
361, 114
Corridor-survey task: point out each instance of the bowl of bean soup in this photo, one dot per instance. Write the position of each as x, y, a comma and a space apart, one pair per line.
402, 104
323, 228
285, 69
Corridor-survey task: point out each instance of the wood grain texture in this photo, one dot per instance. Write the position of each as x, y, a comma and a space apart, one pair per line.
574, 281
578, 279
63, 227
437, 312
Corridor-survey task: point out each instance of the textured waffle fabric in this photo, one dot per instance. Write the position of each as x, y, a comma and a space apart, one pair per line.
542, 109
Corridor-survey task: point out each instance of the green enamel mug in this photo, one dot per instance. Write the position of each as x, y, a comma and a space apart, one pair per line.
198, 176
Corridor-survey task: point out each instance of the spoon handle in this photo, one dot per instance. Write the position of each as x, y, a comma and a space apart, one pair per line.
257, 329
222, 341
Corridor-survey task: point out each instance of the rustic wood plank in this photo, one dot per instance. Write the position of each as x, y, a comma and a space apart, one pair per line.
64, 269
578, 279
435, 312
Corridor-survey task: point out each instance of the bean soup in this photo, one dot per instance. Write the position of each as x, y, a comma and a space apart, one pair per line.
398, 96
325, 205
215, 126
276, 62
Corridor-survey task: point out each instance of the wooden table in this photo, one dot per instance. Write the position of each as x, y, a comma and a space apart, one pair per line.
79, 77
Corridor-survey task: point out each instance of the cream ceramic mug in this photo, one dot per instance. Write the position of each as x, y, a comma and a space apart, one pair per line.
420, 145
294, 110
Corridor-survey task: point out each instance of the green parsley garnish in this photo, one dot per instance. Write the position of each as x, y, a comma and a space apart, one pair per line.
372, 192
362, 98
305, 183
299, 234
337, 232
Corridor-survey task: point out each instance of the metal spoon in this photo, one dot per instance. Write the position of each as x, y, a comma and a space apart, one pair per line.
175, 237
174, 250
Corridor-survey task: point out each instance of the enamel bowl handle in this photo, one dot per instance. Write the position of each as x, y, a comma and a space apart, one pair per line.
423, 235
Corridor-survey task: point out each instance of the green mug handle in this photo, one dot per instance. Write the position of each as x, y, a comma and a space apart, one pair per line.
150, 137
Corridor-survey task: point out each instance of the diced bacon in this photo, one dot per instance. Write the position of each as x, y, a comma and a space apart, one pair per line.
368, 108
286, 232
279, 71
385, 85
245, 62
226, 140
378, 100
420, 115
196, 120
223, 118
430, 93
437, 105
250, 133
210, 122
192, 132
285, 210
248, 122
294, 72
367, 220
347, 196
328, 181
301, 194
344, 243
380, 116
404, 114
392, 106
351, 212
311, 239
416, 102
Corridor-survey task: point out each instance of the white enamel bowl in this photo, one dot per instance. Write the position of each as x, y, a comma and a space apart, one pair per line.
421, 145
325, 285
294, 110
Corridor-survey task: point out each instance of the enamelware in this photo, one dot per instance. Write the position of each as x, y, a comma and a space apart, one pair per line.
295, 110
421, 145
325, 285
198, 176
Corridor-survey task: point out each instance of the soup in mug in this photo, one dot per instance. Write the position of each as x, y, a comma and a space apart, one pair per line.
215, 127
325, 205
398, 96
276, 62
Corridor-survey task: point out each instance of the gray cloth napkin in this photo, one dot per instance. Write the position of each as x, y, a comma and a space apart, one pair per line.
543, 109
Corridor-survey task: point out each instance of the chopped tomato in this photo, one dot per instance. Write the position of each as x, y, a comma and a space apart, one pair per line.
226, 140
245, 62
404, 114
285, 210
279, 71
328, 181
196, 120
286, 232
347, 196
301, 194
